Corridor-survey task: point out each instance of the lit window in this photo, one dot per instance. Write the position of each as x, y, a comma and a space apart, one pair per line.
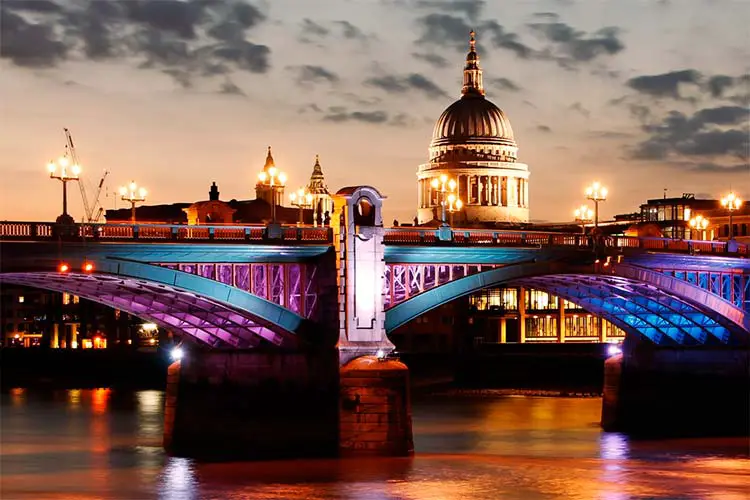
65, 298
20, 299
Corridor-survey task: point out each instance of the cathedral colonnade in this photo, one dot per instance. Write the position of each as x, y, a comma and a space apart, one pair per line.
506, 188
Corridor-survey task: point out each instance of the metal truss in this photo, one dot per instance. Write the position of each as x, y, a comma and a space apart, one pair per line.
207, 321
291, 285
637, 300
403, 281
643, 309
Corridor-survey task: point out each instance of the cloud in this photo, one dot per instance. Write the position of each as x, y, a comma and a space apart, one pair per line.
349, 31
45, 6
29, 45
403, 120
571, 46
578, 108
342, 28
506, 40
471, 8
504, 84
339, 114
740, 168
230, 88
713, 134
665, 84
435, 60
310, 27
307, 74
183, 39
402, 84
718, 84
444, 30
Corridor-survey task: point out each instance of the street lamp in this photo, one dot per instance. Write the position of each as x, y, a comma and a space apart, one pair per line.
731, 202
583, 215
454, 205
302, 199
596, 193
134, 195
67, 172
445, 188
274, 180
699, 223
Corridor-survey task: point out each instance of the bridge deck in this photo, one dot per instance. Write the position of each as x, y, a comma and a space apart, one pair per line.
300, 235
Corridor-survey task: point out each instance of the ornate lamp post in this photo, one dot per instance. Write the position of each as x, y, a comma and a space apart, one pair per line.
731, 202
134, 195
67, 173
445, 187
596, 193
583, 215
699, 223
273, 180
454, 205
302, 199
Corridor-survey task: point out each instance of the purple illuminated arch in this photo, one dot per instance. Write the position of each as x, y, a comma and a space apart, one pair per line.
206, 320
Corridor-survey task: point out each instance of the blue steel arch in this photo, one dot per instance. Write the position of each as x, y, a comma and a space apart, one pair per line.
212, 312
639, 301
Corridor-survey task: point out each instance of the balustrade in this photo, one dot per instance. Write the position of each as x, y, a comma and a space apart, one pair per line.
394, 236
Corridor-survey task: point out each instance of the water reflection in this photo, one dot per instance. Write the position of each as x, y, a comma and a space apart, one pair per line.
74, 398
509, 448
178, 481
614, 446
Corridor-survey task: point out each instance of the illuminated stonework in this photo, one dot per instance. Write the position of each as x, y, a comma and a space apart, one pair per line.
474, 144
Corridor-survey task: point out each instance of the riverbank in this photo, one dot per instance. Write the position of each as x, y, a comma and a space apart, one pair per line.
523, 369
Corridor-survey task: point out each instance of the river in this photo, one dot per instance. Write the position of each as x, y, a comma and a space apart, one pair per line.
105, 444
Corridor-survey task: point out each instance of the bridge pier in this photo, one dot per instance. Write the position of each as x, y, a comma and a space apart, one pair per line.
375, 415
249, 404
677, 391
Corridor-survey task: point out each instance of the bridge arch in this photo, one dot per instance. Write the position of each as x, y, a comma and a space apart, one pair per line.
212, 313
639, 301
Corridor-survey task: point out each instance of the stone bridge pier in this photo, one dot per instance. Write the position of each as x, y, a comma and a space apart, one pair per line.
324, 399
677, 391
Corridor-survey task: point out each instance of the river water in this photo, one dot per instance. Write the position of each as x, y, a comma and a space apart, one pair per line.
92, 444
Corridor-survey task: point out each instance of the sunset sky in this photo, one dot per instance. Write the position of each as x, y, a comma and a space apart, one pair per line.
641, 95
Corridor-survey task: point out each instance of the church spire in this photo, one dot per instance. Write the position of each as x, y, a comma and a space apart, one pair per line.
269, 161
317, 181
472, 72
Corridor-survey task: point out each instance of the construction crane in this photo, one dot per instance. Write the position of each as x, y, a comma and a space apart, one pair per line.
88, 209
100, 211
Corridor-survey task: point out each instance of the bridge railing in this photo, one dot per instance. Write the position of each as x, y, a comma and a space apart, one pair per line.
504, 238
161, 232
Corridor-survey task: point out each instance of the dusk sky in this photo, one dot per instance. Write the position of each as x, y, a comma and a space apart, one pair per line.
641, 95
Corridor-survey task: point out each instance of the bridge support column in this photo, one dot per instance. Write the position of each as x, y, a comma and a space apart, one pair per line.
375, 414
663, 391
228, 405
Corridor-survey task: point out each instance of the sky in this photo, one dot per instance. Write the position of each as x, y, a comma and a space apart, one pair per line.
643, 95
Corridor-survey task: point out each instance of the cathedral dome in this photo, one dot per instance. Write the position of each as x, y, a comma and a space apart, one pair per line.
472, 120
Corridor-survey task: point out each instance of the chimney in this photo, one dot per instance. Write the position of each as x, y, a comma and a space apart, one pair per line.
213, 195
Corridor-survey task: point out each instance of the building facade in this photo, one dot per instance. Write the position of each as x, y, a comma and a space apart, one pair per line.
473, 144
39, 318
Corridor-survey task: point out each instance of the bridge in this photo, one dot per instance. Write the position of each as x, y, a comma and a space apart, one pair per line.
271, 290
